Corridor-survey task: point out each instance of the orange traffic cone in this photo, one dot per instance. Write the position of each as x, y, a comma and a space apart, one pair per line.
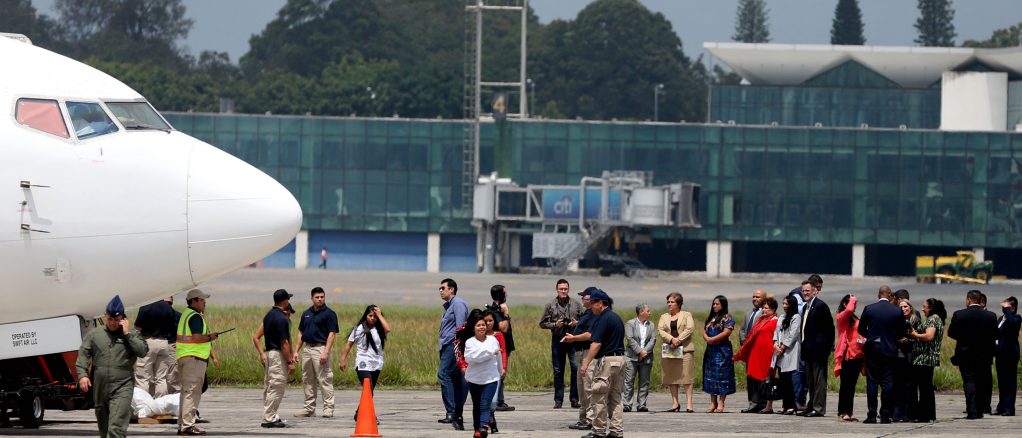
365, 425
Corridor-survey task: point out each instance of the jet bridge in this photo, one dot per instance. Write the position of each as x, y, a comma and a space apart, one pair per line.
566, 221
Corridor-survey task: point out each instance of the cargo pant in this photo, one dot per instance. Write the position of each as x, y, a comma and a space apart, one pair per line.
585, 411
274, 384
152, 371
192, 371
608, 382
317, 376
113, 407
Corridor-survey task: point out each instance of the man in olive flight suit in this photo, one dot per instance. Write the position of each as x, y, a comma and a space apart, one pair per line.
111, 351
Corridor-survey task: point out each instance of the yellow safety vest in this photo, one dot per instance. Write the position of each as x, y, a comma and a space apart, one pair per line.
186, 346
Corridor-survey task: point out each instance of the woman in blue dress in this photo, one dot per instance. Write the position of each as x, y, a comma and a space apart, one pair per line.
718, 369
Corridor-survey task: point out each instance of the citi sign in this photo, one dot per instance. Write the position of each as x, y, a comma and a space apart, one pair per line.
565, 206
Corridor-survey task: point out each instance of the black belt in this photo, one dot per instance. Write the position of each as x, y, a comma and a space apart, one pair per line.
314, 344
614, 354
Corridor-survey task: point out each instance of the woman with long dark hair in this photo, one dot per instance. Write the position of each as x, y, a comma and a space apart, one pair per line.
482, 358
718, 369
926, 356
848, 356
369, 336
787, 349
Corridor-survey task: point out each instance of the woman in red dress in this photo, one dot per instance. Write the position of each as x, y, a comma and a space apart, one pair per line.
758, 352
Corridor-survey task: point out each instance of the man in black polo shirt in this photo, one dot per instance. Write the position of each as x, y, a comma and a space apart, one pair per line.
502, 324
580, 341
157, 323
279, 363
316, 332
606, 361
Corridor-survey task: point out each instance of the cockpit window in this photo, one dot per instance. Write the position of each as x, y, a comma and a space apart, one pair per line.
137, 115
89, 120
43, 115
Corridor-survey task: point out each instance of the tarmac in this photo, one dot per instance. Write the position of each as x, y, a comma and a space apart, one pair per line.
238, 412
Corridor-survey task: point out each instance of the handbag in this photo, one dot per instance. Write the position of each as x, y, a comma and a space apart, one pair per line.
770, 389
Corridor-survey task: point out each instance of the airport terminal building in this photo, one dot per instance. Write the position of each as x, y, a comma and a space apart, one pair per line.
832, 159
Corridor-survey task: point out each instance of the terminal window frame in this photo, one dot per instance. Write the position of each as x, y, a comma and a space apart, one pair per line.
93, 122
42, 115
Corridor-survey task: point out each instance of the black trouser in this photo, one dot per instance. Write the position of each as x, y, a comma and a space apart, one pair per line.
752, 387
976, 381
904, 390
373, 376
787, 389
922, 382
561, 354
1007, 383
500, 389
816, 375
879, 376
850, 370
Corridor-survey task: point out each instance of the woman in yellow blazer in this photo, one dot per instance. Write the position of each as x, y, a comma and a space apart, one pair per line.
678, 358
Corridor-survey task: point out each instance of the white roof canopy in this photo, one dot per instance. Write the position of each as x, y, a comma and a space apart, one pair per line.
910, 67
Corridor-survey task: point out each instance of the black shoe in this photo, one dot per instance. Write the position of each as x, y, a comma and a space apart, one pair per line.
580, 426
885, 421
974, 417
201, 420
458, 424
503, 407
274, 424
575, 404
869, 420
592, 435
628, 409
642, 409
557, 405
755, 410
814, 413
446, 420
493, 427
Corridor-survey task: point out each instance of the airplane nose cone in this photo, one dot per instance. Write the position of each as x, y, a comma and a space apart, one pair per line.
236, 213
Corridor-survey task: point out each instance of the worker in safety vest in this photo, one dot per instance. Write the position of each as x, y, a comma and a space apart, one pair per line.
194, 343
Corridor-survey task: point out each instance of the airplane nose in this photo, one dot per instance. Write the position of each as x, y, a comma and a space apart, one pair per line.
236, 213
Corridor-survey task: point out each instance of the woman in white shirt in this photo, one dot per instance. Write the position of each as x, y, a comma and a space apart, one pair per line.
481, 354
370, 335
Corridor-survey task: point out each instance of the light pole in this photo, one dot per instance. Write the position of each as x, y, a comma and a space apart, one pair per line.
532, 96
658, 89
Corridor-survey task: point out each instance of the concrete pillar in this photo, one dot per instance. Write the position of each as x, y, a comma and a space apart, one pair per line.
515, 242
712, 258
725, 259
718, 258
980, 254
858, 261
302, 250
433, 252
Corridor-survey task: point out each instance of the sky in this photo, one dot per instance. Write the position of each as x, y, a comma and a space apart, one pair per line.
227, 25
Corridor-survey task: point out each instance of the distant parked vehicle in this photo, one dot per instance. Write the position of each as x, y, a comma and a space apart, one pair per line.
961, 267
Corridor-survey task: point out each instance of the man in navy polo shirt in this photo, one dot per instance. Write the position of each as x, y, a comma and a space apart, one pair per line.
316, 332
279, 363
606, 360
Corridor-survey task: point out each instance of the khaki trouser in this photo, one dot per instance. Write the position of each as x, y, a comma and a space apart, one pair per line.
173, 377
192, 372
316, 375
607, 384
153, 369
274, 384
585, 411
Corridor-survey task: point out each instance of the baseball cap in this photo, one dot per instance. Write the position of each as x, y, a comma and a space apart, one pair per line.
281, 295
598, 295
195, 293
588, 291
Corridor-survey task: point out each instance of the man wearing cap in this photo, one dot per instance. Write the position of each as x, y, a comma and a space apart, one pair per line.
316, 332
111, 351
279, 362
606, 361
560, 316
156, 323
580, 338
194, 342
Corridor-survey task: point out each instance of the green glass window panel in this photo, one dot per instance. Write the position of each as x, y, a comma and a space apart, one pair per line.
851, 74
376, 199
665, 133
289, 125
350, 197
418, 201
376, 128
397, 200
399, 129
203, 124
397, 177
418, 177
311, 126
357, 176
334, 127
269, 125
376, 177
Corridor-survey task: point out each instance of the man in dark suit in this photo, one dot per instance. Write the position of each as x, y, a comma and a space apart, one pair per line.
817, 344
975, 330
1007, 356
881, 324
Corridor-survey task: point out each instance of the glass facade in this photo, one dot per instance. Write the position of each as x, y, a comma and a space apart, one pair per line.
848, 95
765, 184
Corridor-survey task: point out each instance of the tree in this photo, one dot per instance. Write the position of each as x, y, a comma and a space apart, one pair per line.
936, 24
847, 28
751, 24
605, 63
125, 30
1010, 37
20, 16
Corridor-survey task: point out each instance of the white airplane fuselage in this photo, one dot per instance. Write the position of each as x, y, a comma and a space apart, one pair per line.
138, 212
